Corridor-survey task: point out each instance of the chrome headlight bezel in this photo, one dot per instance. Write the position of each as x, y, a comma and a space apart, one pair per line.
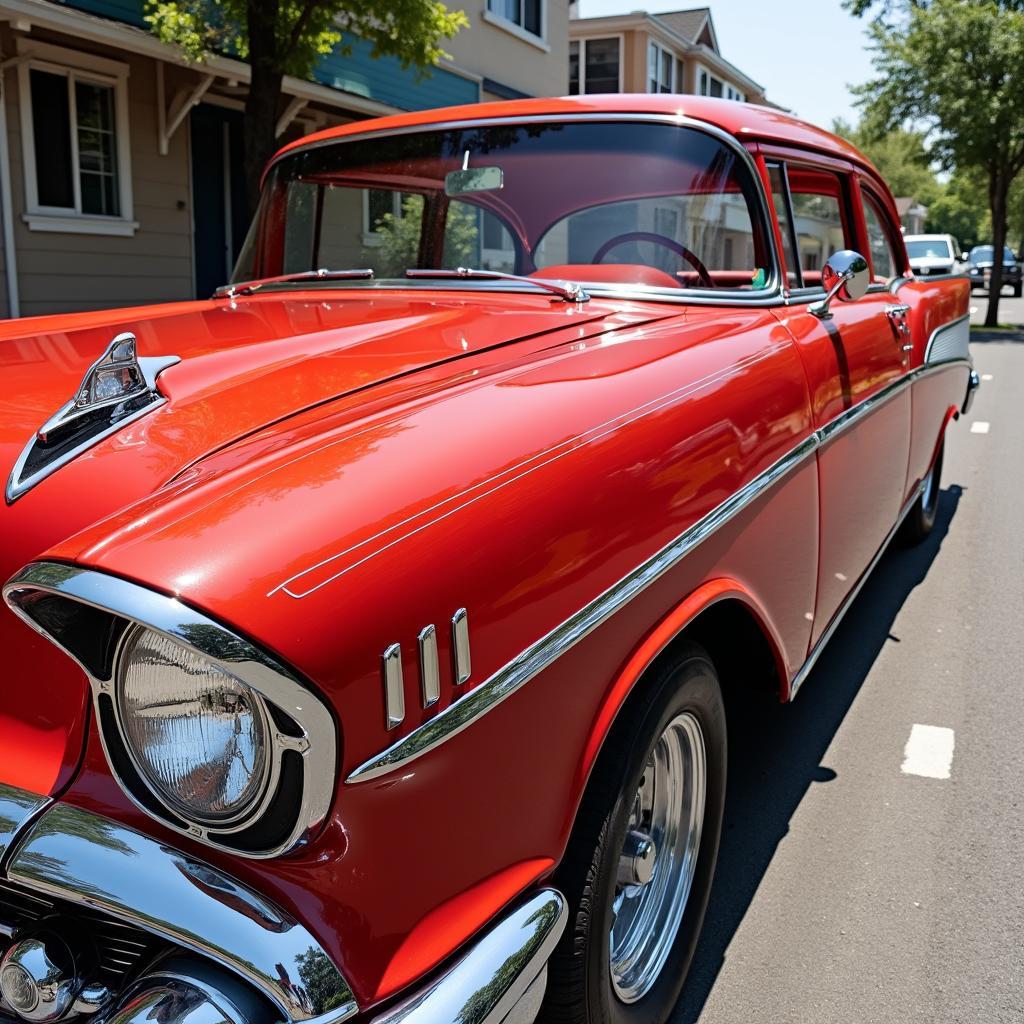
269, 773
91, 615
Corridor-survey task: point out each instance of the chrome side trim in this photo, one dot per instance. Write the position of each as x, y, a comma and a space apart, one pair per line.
394, 686
317, 746
429, 670
460, 647
17, 809
548, 649
538, 656
805, 670
770, 295
950, 341
490, 982
96, 862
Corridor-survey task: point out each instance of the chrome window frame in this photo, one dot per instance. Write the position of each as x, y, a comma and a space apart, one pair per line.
772, 294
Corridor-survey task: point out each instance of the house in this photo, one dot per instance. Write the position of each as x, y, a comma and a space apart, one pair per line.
640, 52
121, 164
912, 215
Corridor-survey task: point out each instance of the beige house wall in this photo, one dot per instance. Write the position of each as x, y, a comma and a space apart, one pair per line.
494, 50
62, 271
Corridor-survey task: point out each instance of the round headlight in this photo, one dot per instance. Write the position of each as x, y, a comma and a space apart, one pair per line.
199, 737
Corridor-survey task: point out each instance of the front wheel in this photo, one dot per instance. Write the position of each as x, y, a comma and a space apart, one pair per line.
921, 517
1017, 290
639, 866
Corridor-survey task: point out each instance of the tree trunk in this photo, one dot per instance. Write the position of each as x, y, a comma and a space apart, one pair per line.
261, 105
998, 190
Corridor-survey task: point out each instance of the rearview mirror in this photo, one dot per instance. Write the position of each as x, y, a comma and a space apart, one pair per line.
846, 277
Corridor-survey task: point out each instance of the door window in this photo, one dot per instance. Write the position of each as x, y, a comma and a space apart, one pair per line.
819, 219
883, 257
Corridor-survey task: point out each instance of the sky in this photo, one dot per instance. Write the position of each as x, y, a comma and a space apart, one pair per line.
805, 54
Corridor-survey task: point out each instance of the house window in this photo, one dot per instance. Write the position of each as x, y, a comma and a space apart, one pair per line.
377, 204
75, 143
661, 68
527, 14
593, 65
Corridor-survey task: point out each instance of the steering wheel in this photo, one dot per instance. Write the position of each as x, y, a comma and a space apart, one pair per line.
669, 243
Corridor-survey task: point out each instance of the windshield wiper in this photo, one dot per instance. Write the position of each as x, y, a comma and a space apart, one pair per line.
568, 290
229, 291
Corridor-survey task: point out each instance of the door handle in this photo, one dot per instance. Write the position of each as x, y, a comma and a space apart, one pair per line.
897, 314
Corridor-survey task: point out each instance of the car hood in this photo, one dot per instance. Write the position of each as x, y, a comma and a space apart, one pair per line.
930, 262
245, 365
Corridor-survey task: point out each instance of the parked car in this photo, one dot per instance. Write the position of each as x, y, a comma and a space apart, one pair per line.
391, 605
980, 262
935, 254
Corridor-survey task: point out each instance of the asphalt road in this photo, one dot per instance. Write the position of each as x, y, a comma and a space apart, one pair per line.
848, 890
1011, 310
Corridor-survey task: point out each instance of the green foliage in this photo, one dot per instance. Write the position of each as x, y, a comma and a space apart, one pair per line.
306, 30
957, 71
961, 209
954, 70
400, 237
901, 156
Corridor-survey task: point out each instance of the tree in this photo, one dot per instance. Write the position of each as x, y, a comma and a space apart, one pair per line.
955, 68
901, 157
288, 37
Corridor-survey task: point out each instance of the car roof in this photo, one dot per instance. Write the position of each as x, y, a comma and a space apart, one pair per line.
742, 120
923, 238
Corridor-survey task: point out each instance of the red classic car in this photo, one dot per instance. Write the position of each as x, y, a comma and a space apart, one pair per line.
381, 614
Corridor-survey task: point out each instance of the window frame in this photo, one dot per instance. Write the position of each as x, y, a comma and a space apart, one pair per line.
867, 191
75, 67
660, 52
499, 20
852, 226
619, 37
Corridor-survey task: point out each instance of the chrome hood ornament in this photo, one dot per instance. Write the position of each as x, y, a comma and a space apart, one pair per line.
117, 389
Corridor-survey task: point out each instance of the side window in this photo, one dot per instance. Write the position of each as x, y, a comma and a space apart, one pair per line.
819, 218
780, 200
883, 258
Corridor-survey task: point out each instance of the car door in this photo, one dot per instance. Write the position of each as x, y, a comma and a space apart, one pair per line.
855, 358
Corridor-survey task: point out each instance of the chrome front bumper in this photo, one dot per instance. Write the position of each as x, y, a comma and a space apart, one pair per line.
89, 861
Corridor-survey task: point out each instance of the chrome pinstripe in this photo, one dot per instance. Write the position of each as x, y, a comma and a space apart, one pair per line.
549, 648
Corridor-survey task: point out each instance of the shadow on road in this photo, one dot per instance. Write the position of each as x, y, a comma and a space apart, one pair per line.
984, 335
775, 751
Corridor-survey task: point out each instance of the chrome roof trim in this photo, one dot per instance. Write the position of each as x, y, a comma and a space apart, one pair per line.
548, 649
771, 294
96, 862
220, 645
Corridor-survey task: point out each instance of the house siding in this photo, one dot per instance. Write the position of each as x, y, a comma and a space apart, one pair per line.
60, 272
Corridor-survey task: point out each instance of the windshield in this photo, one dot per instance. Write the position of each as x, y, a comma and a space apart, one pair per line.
931, 248
983, 254
604, 204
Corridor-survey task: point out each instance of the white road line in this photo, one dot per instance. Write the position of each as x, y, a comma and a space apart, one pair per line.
929, 752
979, 427
986, 376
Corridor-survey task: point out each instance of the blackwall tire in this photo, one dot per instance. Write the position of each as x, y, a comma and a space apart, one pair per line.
921, 518
666, 751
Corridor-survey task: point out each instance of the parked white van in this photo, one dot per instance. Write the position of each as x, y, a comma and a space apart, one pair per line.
935, 254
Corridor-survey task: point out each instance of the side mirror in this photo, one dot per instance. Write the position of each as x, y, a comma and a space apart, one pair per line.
964, 257
846, 277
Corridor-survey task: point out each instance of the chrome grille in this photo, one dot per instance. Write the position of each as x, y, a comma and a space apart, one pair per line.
120, 948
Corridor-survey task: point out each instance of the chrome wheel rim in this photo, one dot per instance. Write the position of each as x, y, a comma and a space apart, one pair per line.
659, 858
